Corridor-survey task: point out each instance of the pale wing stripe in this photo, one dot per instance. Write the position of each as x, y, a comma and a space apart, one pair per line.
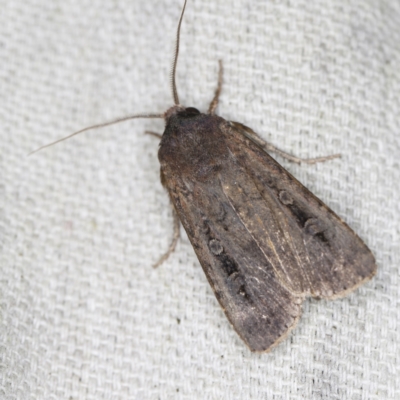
256, 241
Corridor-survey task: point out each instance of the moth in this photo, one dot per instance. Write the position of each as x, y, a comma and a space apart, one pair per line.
265, 242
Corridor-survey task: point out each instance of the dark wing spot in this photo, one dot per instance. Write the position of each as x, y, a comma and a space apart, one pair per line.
299, 214
314, 227
228, 264
322, 237
242, 292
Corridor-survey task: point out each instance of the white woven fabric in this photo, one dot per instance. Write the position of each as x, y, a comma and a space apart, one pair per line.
84, 316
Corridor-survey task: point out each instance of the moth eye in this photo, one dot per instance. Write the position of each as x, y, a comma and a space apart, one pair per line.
215, 247
285, 197
189, 112
192, 110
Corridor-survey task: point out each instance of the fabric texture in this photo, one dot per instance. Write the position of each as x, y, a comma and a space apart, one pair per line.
84, 314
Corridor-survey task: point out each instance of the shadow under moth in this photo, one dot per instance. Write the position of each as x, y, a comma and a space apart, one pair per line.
265, 242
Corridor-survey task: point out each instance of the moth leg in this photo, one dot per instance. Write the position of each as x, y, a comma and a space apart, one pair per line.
153, 134
174, 240
271, 148
299, 160
214, 102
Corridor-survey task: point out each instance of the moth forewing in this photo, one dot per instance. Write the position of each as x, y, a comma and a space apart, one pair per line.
314, 251
264, 241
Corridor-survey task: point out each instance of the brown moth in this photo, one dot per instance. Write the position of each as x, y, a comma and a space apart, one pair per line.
265, 242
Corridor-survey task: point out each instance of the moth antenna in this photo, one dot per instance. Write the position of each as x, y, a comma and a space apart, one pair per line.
102, 125
214, 102
173, 70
